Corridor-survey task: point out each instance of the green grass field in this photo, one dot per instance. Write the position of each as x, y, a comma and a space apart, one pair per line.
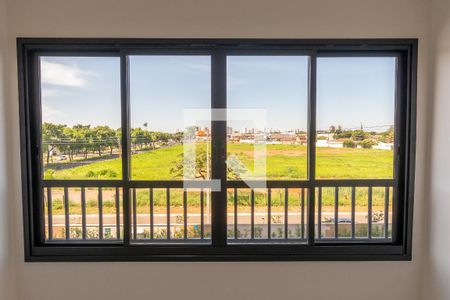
283, 162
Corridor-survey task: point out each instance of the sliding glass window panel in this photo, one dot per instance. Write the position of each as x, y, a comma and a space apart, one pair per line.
267, 112
267, 100
81, 124
170, 98
170, 138
355, 117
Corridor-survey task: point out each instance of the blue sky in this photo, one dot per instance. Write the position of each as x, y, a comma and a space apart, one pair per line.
278, 84
350, 91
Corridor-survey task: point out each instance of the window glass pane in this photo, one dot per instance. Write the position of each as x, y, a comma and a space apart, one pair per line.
170, 99
267, 117
162, 89
81, 121
355, 117
267, 98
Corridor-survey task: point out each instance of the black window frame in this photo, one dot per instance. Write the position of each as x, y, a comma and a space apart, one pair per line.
400, 248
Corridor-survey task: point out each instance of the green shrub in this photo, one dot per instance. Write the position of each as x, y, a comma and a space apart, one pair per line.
108, 173
367, 144
349, 144
90, 174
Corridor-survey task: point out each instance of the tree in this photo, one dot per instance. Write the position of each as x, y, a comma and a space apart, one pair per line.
340, 134
118, 135
104, 136
387, 136
83, 137
113, 141
235, 168
178, 137
138, 137
69, 144
163, 137
184, 166
51, 137
359, 135
189, 132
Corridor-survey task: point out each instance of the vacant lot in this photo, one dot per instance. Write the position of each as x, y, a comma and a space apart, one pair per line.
283, 162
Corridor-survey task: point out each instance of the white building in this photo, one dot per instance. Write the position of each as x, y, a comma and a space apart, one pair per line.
384, 146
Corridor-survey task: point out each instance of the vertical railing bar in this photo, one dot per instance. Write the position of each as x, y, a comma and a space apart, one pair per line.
353, 211
386, 212
286, 213
369, 217
83, 212
100, 213
117, 200
202, 214
269, 213
394, 216
302, 216
319, 214
168, 212
336, 212
66, 213
252, 199
152, 220
50, 213
185, 214
134, 214
396, 213
235, 213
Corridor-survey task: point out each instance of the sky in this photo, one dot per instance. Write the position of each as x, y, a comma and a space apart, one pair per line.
350, 91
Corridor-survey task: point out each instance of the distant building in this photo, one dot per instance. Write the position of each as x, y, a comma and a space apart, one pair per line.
384, 146
201, 135
329, 144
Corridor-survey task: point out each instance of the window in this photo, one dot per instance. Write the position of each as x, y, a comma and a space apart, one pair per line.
217, 149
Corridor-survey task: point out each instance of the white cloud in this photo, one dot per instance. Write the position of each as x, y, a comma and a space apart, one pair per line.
49, 93
60, 74
50, 114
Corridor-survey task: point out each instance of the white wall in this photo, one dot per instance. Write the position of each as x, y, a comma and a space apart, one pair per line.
7, 277
437, 264
219, 18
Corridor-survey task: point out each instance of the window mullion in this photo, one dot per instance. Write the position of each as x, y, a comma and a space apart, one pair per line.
312, 82
219, 143
125, 119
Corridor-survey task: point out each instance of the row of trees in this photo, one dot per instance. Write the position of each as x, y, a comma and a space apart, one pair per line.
361, 135
80, 140
366, 139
